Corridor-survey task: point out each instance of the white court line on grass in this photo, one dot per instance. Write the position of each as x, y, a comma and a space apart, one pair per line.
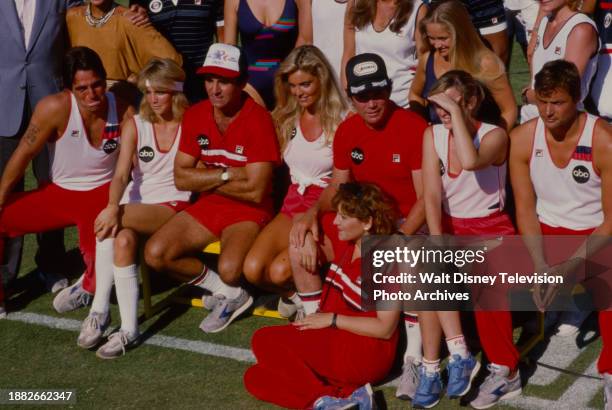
207, 348
577, 396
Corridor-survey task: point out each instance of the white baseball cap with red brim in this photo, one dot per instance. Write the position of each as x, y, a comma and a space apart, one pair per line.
223, 60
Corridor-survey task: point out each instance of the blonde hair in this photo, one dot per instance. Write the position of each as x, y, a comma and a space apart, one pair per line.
330, 106
364, 13
467, 50
162, 74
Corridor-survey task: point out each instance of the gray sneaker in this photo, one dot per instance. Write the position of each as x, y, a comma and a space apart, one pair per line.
497, 387
409, 380
53, 282
71, 298
209, 301
2, 311
116, 345
286, 308
92, 329
607, 391
225, 312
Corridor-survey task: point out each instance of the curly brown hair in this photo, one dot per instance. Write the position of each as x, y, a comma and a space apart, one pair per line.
365, 201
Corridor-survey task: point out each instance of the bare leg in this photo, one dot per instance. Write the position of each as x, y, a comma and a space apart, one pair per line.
174, 246
236, 240
269, 245
431, 333
498, 42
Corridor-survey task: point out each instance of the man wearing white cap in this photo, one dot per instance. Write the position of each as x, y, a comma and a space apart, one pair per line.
227, 153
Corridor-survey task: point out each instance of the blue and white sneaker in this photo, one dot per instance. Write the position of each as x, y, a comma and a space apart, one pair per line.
364, 397
225, 312
497, 386
461, 372
429, 391
333, 403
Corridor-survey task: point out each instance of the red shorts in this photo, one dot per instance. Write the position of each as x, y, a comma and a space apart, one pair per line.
176, 206
216, 217
498, 223
296, 203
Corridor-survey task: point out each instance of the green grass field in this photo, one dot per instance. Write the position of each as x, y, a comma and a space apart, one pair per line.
150, 376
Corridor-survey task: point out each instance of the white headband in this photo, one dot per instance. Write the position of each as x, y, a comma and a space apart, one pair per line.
178, 85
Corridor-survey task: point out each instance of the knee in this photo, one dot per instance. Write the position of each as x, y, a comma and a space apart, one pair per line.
230, 271
253, 269
155, 254
280, 273
125, 241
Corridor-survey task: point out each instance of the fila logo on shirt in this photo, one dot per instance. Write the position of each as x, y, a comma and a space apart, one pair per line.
75, 133
442, 168
203, 141
110, 146
146, 154
293, 133
558, 50
396, 158
581, 174
239, 149
539, 153
357, 155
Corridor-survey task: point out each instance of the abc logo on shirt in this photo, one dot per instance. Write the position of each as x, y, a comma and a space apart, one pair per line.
146, 154
110, 146
581, 174
203, 141
357, 155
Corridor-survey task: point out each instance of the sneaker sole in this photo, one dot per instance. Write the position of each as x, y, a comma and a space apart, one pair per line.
475, 371
506, 396
429, 406
234, 315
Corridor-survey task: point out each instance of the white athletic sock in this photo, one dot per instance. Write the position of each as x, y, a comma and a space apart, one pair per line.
310, 301
295, 298
431, 366
211, 281
126, 288
414, 345
457, 345
104, 275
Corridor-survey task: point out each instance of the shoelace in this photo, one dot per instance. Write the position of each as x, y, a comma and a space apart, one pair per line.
411, 373
122, 340
493, 374
81, 300
92, 321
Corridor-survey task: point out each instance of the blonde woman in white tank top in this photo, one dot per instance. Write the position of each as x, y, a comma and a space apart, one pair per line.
141, 206
310, 107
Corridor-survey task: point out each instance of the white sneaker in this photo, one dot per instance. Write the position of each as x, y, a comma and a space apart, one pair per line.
116, 345
2, 311
286, 308
225, 312
570, 322
409, 380
71, 298
92, 329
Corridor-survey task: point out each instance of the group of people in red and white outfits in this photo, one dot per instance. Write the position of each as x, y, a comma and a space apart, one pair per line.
186, 177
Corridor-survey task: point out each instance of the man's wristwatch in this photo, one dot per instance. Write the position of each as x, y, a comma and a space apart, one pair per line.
225, 175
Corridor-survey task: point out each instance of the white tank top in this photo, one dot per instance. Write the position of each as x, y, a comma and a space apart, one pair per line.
568, 197
399, 51
310, 163
556, 51
153, 174
328, 30
74, 163
470, 194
